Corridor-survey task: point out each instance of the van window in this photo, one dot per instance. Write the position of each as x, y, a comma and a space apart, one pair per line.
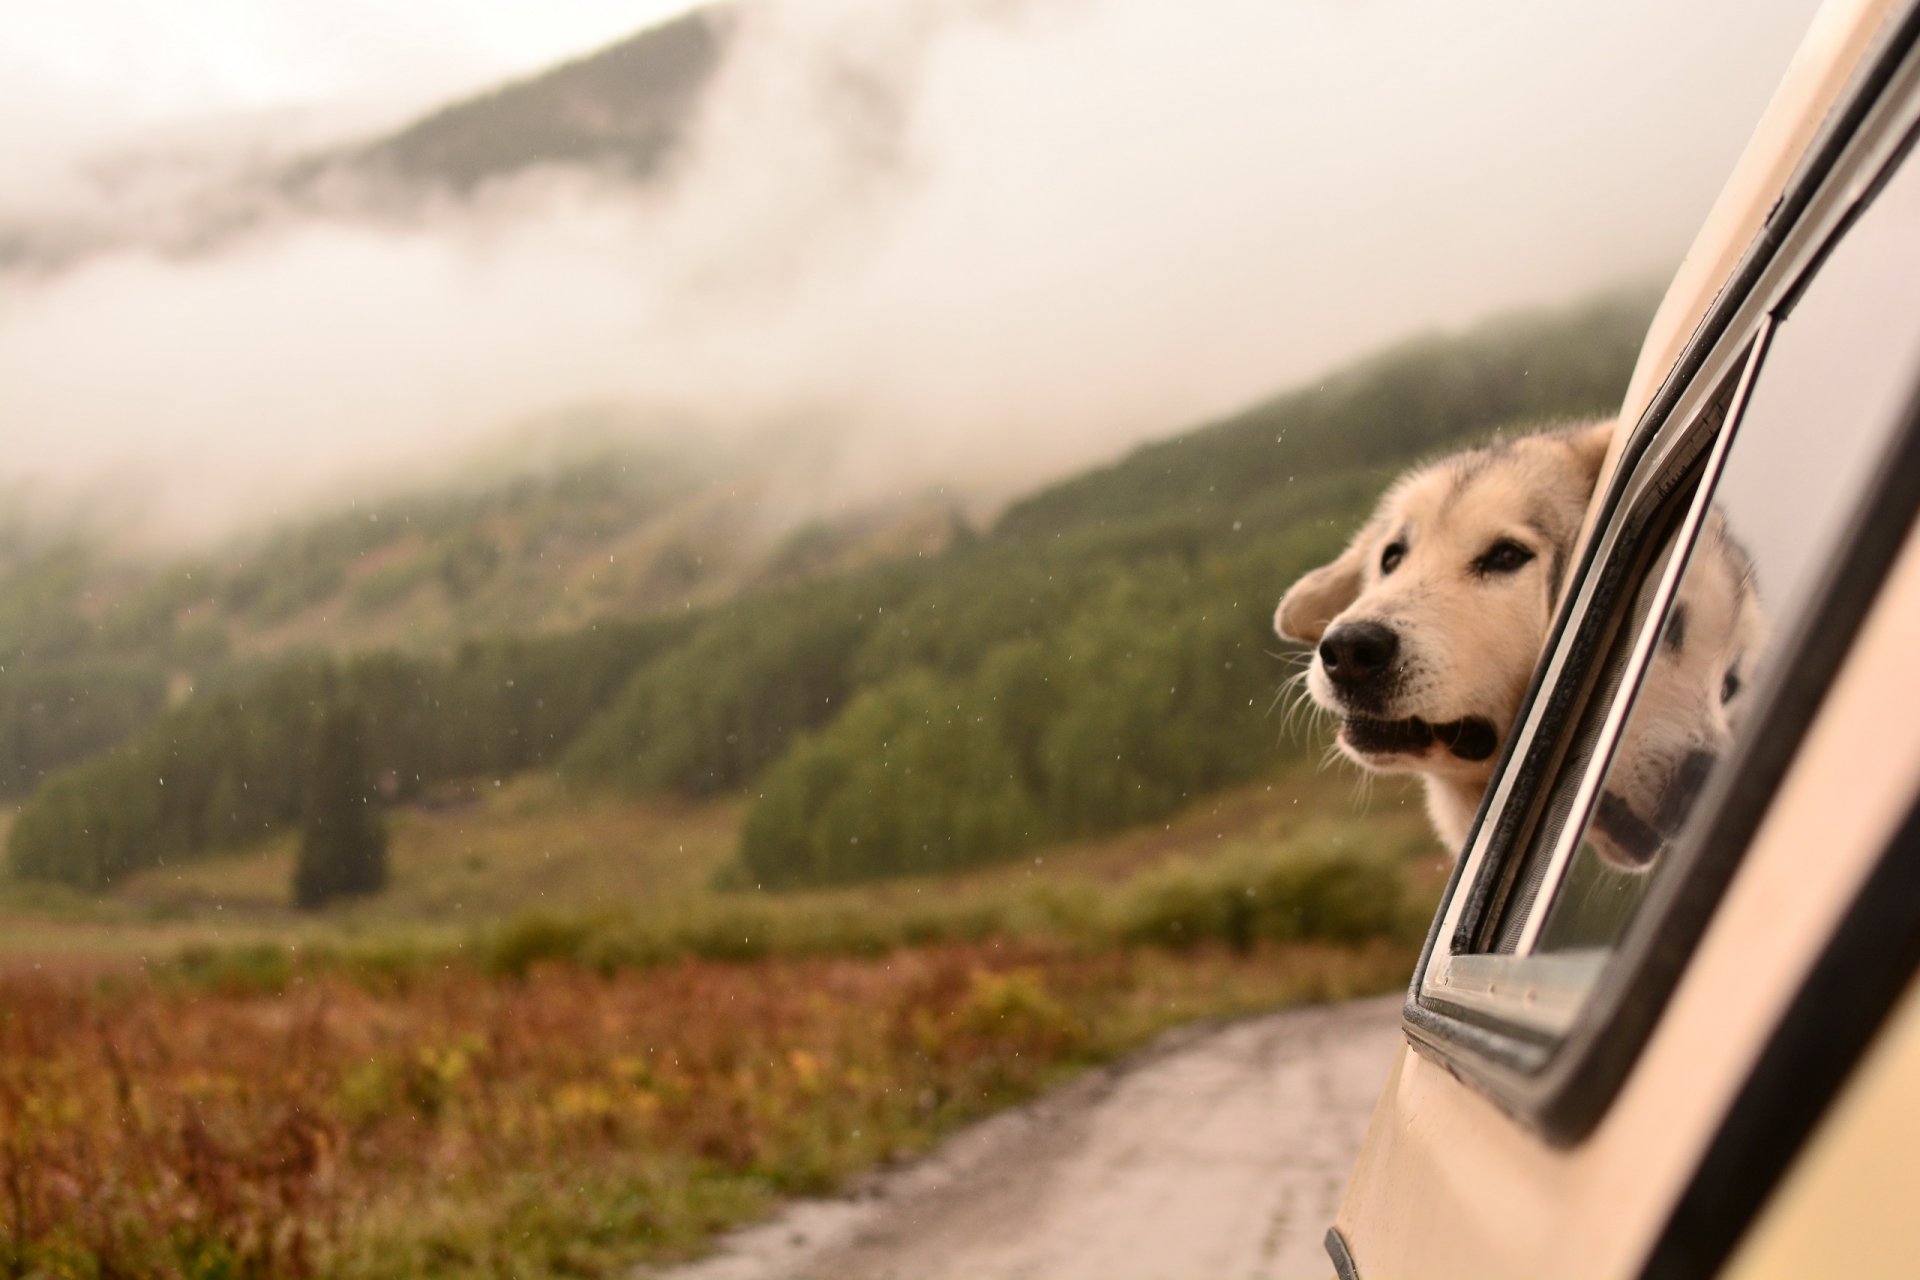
1737, 522
1829, 389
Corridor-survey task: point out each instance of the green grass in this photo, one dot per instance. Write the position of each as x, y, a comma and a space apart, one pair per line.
642, 878
481, 854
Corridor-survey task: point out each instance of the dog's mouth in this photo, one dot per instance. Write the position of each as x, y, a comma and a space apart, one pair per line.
1469, 739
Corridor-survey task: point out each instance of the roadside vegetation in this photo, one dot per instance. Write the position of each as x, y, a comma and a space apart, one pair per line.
198, 1079
563, 1123
438, 1080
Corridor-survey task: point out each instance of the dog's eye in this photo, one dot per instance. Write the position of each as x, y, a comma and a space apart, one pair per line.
1504, 556
1390, 558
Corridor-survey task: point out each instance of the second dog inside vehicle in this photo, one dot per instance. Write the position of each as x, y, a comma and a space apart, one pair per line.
1427, 628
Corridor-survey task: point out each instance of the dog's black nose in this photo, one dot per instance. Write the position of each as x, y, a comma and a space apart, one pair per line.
1357, 652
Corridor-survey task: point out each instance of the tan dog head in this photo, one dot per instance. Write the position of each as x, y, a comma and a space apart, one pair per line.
1427, 628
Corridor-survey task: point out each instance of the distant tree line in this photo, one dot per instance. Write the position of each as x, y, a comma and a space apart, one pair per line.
90, 646
75, 677
715, 711
54, 714
230, 767
1155, 689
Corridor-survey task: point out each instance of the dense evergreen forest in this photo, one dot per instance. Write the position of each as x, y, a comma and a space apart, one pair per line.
553, 536
1099, 656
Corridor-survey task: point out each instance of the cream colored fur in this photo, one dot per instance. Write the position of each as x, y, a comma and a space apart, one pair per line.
1468, 640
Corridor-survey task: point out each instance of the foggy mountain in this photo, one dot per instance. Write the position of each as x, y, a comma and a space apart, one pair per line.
624, 109
961, 244
621, 111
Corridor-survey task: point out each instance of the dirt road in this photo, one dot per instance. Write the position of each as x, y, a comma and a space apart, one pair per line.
1216, 1155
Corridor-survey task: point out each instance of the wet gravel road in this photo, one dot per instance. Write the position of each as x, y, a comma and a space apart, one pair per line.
1217, 1154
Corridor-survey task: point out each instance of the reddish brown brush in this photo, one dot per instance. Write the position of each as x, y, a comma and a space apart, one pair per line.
568, 1122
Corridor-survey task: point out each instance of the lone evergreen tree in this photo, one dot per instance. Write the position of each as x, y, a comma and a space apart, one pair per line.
343, 841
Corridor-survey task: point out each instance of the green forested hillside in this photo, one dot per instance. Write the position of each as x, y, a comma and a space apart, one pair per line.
230, 767
1103, 654
548, 537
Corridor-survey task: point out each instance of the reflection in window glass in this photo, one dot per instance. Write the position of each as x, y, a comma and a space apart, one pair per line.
1605, 898
1594, 898
1828, 394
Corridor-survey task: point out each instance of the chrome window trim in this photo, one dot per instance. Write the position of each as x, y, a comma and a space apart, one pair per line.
1539, 994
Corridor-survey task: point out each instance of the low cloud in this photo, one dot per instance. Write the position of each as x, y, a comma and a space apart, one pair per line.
974, 244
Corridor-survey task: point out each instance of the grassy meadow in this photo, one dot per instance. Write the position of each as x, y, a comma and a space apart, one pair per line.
623, 881
560, 1044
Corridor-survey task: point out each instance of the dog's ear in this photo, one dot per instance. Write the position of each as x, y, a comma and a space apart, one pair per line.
1589, 445
1320, 597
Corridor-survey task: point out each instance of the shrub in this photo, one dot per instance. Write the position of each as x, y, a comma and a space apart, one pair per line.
536, 939
263, 969
915, 778
1254, 896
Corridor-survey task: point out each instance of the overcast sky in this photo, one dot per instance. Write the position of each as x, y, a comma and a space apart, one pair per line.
977, 242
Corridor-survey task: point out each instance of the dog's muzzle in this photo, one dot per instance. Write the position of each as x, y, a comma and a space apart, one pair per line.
1359, 660
1470, 739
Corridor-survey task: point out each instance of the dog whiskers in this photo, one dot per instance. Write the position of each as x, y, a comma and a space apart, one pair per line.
1301, 711
1330, 757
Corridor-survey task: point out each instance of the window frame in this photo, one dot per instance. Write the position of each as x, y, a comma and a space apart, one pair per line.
1675, 497
1550, 1043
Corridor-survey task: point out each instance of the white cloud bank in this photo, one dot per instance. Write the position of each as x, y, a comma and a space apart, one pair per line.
982, 243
